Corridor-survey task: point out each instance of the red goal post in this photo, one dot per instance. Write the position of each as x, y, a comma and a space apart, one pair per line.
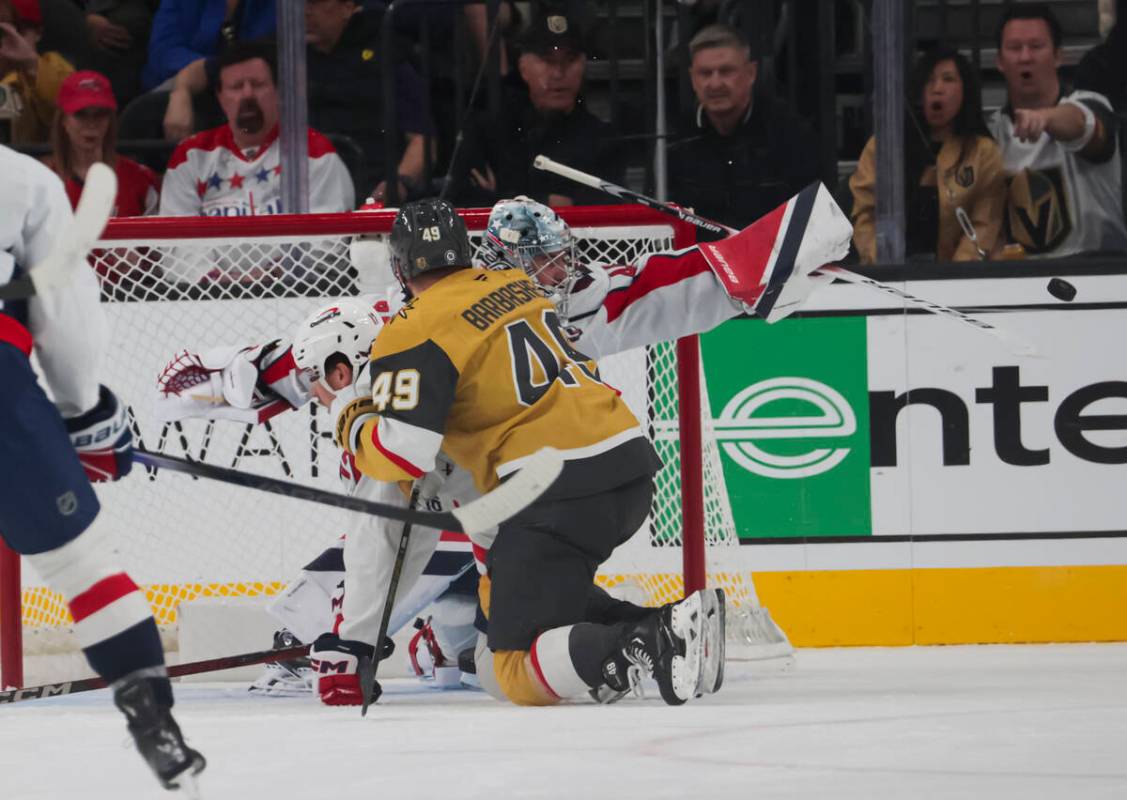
170, 283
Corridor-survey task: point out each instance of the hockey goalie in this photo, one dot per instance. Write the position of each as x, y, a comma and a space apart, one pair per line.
603, 309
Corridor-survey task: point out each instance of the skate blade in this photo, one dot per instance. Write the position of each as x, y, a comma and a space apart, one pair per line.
688, 625
715, 643
187, 783
188, 780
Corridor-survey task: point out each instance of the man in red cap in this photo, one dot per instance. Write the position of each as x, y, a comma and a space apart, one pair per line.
35, 77
85, 132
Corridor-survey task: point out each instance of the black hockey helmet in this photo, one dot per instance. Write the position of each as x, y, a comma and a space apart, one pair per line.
428, 234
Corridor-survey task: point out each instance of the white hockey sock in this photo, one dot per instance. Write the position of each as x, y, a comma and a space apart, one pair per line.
551, 658
103, 600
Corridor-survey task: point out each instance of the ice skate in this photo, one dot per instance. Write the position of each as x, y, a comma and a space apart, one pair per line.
668, 645
284, 678
157, 736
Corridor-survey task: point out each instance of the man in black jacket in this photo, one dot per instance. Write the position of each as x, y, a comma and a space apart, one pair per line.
344, 60
544, 115
740, 155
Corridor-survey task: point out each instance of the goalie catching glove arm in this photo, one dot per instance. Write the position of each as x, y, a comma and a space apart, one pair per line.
245, 384
102, 439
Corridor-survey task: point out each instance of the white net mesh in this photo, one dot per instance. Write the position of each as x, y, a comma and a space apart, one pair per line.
182, 538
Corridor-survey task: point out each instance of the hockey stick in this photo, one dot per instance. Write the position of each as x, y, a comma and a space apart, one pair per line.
176, 671
493, 508
78, 239
366, 669
1012, 342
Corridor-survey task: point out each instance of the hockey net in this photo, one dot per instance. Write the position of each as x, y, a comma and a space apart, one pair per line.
171, 284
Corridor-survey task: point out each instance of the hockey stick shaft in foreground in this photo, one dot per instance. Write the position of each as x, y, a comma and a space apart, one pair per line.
74, 242
176, 671
1010, 340
367, 670
539, 471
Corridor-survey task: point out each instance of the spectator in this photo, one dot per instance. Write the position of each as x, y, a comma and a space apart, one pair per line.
345, 92
1059, 149
742, 153
34, 77
950, 163
85, 132
1103, 68
118, 34
187, 36
546, 114
234, 169
185, 31
345, 69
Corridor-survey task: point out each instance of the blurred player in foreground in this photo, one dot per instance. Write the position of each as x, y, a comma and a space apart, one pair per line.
49, 453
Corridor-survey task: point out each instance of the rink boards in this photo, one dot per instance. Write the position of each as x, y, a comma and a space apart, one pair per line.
901, 478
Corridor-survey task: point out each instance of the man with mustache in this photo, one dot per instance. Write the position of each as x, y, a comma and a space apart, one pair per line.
235, 169
740, 155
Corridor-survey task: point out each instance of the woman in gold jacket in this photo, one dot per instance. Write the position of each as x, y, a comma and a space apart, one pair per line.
950, 163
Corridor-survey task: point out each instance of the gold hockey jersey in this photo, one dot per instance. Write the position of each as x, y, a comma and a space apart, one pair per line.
477, 366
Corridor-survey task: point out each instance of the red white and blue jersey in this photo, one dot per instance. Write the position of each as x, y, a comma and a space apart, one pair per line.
209, 175
138, 189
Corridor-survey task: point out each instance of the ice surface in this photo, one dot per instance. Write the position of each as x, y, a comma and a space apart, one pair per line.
937, 722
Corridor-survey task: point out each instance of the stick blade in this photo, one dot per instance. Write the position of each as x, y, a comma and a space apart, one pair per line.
94, 209
534, 478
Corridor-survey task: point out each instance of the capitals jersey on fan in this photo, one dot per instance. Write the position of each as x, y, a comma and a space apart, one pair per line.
1060, 202
208, 175
477, 365
138, 189
67, 323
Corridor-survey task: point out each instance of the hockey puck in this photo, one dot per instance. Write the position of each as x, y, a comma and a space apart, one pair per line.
1062, 289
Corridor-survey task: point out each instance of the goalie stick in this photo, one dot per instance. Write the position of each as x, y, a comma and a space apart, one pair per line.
78, 239
492, 508
176, 671
1011, 341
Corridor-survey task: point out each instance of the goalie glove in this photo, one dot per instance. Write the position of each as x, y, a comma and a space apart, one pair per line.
245, 384
336, 666
102, 439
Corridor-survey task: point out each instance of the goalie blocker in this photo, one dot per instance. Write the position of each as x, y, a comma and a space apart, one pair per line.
770, 266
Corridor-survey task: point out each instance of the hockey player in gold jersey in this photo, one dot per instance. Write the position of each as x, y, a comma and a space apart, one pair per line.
476, 365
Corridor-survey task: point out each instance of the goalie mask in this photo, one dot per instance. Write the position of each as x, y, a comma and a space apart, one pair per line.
428, 235
347, 327
527, 235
